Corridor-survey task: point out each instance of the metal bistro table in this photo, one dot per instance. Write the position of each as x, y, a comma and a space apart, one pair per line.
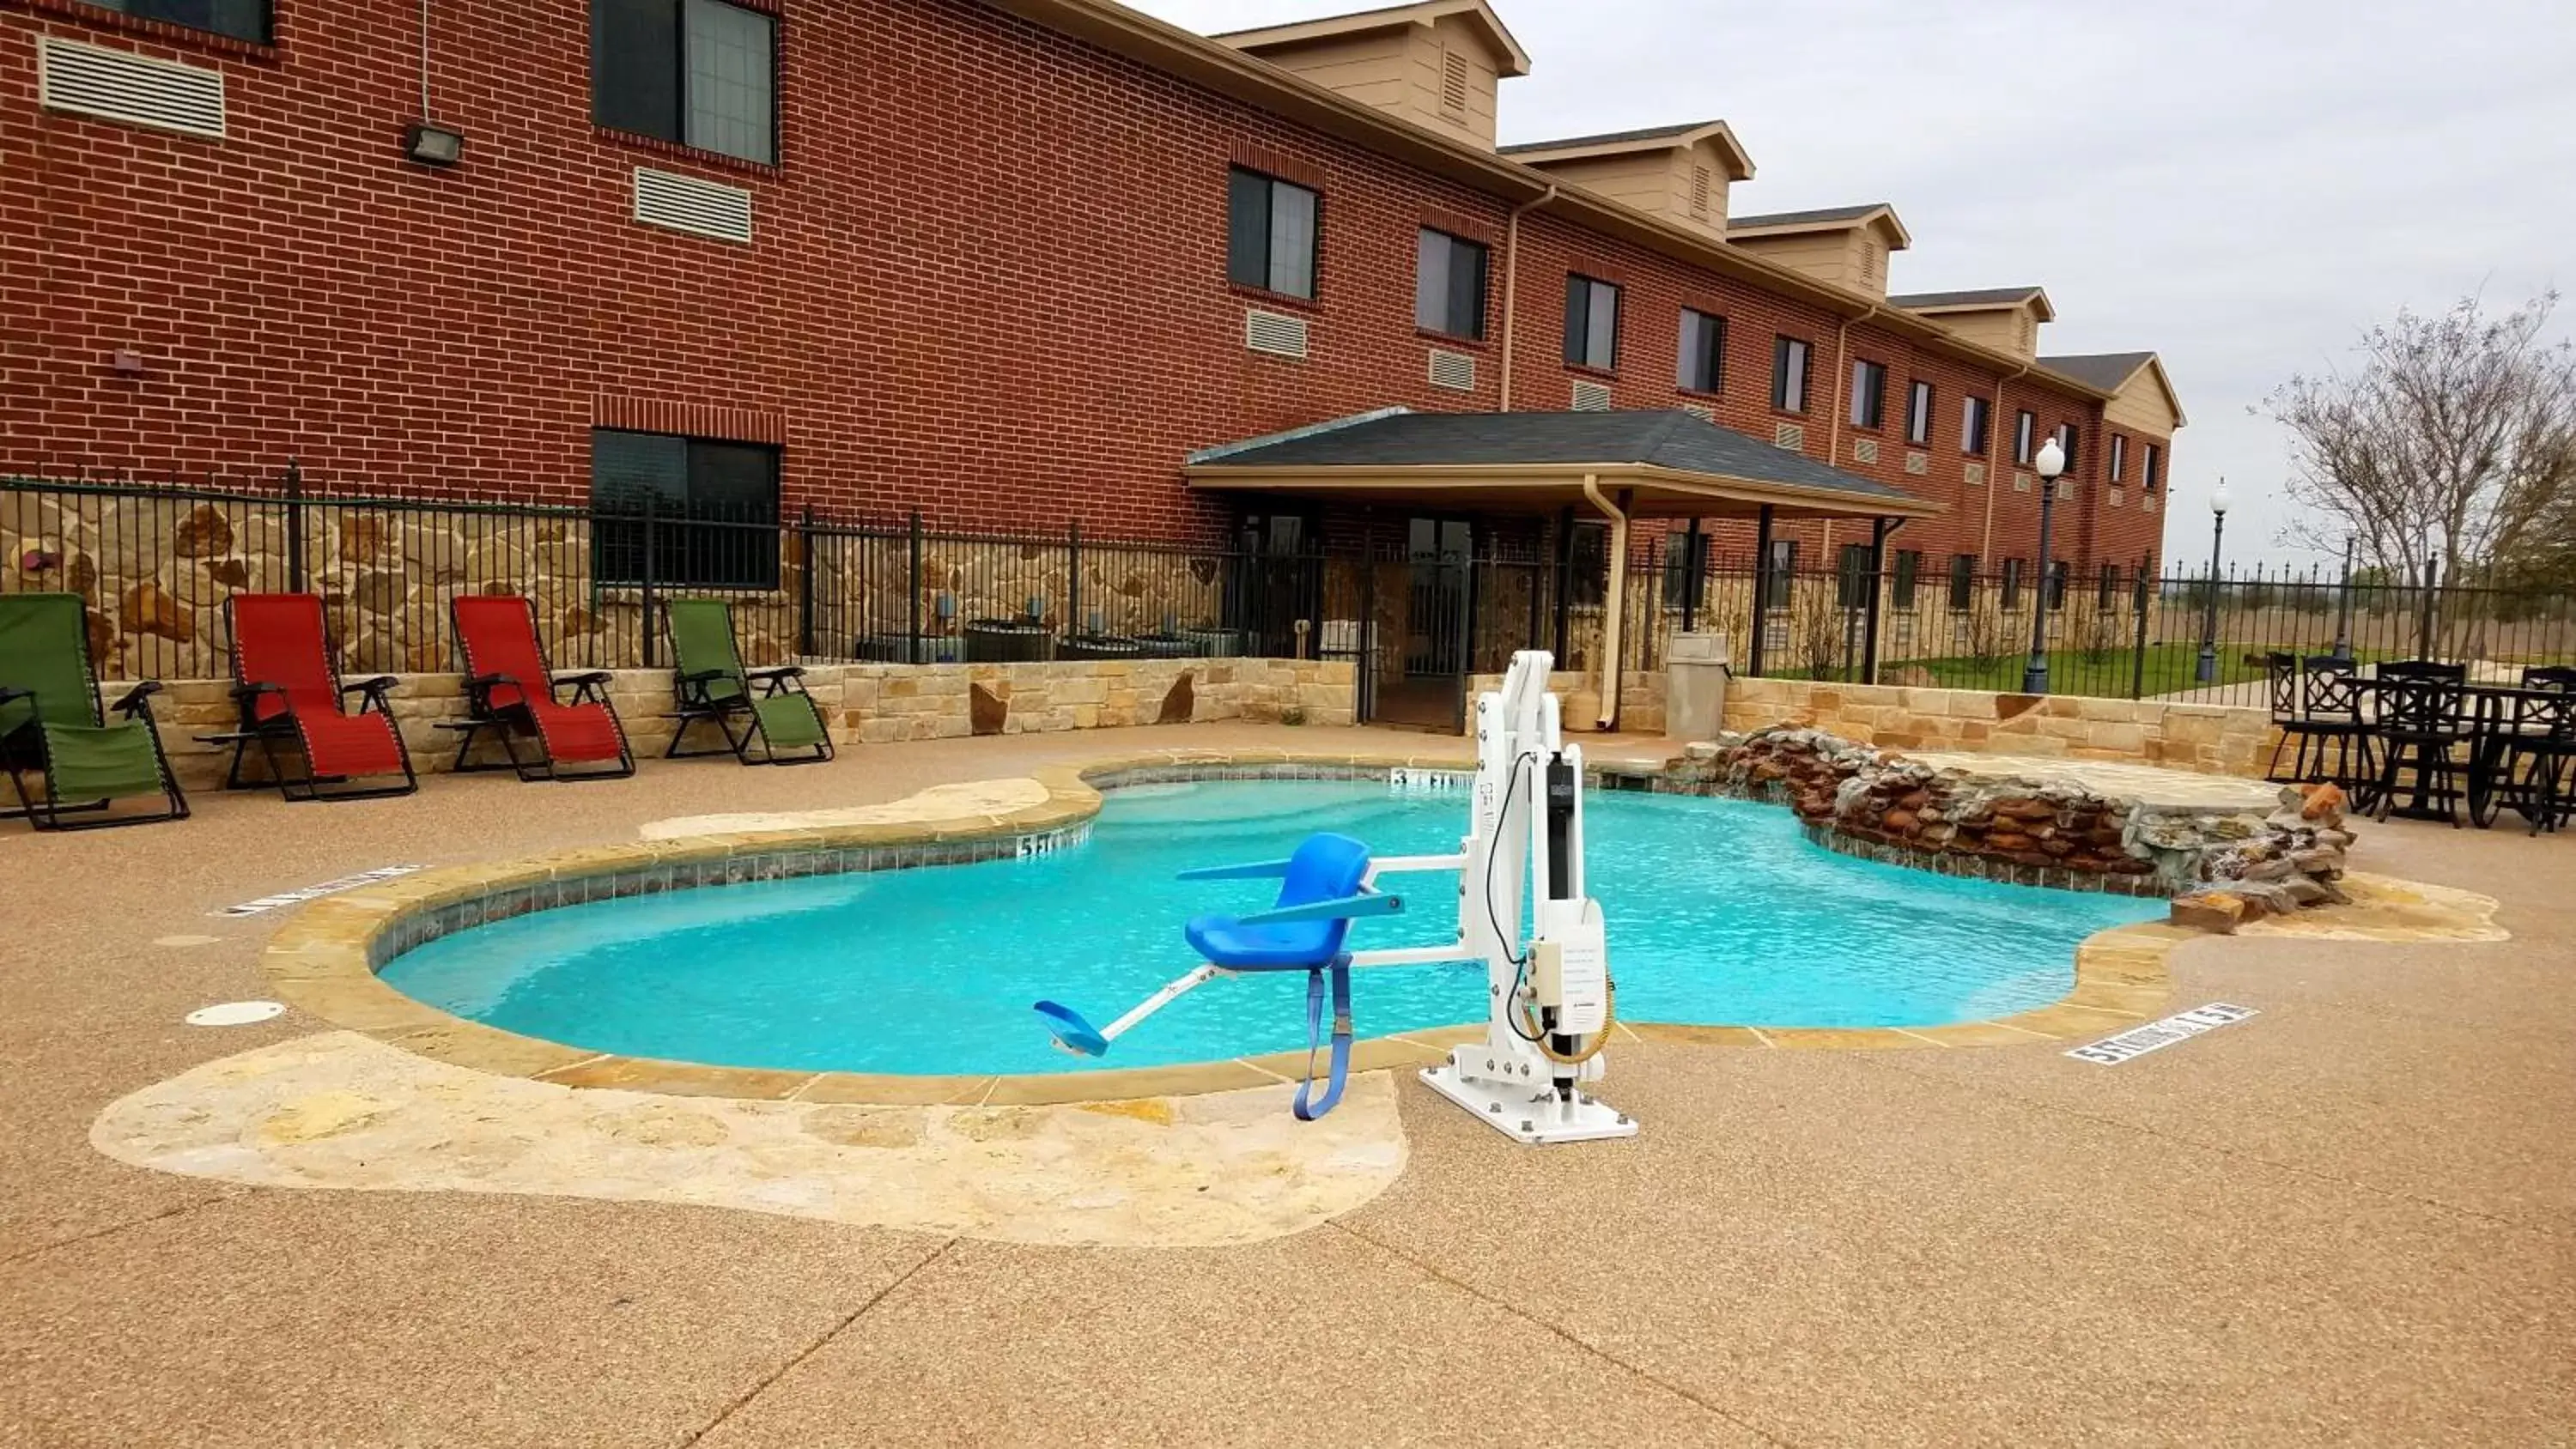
2496, 712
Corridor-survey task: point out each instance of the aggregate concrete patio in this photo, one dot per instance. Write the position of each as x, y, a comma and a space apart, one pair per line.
2351, 1218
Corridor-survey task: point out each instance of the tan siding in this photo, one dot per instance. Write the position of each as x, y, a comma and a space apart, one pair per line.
1999, 328
2141, 407
1373, 69
1827, 256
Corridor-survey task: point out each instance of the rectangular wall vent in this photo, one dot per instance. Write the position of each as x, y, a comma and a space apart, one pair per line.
684, 203
119, 85
2021, 481
1591, 397
1701, 411
1453, 370
1453, 83
1864, 450
1791, 436
1976, 475
1917, 462
1275, 333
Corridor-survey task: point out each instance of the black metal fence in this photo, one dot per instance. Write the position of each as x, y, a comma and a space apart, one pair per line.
157, 561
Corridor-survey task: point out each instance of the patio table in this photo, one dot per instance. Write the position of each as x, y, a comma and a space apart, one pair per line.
2494, 711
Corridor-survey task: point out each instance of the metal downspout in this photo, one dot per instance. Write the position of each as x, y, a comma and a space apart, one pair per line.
1512, 287
1614, 605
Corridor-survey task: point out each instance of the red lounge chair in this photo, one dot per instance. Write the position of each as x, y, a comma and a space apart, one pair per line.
289, 692
510, 691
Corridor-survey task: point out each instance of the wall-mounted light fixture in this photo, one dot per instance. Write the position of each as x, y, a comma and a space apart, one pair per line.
431, 144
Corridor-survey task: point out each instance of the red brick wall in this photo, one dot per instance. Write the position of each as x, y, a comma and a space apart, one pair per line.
988, 279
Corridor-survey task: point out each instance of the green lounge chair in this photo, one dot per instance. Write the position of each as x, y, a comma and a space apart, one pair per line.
713, 688
50, 724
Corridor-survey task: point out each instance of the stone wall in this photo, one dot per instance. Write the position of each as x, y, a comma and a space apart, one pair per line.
2212, 739
864, 703
1871, 802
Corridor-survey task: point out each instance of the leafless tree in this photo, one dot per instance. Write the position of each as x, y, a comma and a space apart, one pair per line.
2451, 444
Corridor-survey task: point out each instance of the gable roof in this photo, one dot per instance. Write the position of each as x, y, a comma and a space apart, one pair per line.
2114, 372
1823, 218
1651, 138
1545, 454
1477, 14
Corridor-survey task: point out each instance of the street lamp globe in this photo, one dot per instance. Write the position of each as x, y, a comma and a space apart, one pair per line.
2219, 499
2051, 460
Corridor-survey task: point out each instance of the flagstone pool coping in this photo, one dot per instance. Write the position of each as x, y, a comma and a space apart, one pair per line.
325, 959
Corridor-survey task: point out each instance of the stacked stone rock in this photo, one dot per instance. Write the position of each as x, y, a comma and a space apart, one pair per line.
1858, 792
2295, 861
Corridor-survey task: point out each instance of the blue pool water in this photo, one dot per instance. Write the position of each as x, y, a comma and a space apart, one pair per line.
1719, 912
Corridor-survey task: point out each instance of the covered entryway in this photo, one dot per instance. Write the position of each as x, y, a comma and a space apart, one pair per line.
1421, 617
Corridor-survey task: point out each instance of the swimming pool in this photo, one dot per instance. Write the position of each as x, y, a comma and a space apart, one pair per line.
1719, 911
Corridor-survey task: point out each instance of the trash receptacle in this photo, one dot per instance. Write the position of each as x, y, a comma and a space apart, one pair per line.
1695, 677
1005, 641
1100, 646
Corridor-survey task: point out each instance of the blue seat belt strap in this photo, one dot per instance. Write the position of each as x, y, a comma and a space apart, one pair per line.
1341, 1057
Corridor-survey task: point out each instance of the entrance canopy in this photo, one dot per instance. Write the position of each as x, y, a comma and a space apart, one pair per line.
1659, 464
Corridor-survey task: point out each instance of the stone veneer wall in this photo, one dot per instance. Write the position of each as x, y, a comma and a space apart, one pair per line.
864, 703
2209, 738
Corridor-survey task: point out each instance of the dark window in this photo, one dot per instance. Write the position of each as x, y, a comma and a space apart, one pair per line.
240, 19
2025, 437
1685, 564
2066, 436
2119, 456
2110, 586
1784, 573
1909, 568
1918, 413
699, 72
1270, 234
714, 508
2057, 584
1869, 395
1591, 323
1449, 286
2151, 467
1851, 577
2012, 583
1789, 375
1588, 564
1963, 580
1974, 421
1703, 366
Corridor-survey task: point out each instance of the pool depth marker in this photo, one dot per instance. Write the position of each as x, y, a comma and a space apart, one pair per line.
265, 904
2137, 1041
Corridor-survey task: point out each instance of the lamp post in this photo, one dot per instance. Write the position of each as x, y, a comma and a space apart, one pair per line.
2050, 462
2343, 607
2207, 673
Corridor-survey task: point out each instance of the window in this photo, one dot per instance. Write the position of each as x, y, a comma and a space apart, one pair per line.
2066, 436
2109, 587
240, 19
1685, 563
1851, 577
1703, 367
2057, 584
1974, 421
2025, 434
1909, 568
2119, 456
1918, 413
1789, 375
2150, 467
1869, 395
1270, 234
2012, 583
1963, 580
1784, 573
699, 72
1449, 286
1591, 323
1587, 553
715, 507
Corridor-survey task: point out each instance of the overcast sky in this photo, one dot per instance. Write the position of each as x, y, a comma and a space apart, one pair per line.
2240, 186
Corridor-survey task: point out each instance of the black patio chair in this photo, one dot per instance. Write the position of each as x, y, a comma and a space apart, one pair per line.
2330, 725
2538, 774
2421, 726
2281, 690
2550, 676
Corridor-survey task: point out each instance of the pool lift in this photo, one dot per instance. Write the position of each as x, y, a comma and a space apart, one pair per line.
1550, 997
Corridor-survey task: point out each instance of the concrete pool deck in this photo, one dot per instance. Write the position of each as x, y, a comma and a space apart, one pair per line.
2348, 1218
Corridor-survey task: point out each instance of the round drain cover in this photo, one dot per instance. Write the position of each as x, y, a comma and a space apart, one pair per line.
235, 1013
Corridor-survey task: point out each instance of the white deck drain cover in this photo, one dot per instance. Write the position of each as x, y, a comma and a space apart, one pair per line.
2110, 1051
266, 904
236, 1013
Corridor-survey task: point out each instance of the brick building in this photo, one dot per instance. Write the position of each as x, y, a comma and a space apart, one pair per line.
1009, 262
